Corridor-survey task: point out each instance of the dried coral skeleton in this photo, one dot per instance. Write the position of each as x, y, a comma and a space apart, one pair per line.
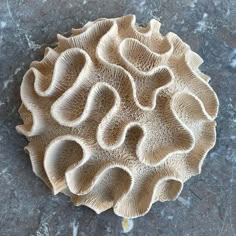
118, 116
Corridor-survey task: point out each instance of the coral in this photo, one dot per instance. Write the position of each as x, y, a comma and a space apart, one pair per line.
118, 116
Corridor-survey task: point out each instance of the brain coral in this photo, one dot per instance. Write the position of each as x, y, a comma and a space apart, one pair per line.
118, 115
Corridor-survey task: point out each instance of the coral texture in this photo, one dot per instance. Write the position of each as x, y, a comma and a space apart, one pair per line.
118, 115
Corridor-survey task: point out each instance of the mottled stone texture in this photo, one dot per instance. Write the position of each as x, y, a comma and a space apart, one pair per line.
207, 205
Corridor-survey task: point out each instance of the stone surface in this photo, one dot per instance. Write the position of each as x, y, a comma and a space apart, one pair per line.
207, 205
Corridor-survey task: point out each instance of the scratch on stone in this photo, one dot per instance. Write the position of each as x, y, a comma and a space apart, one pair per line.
201, 25
185, 202
223, 225
7, 82
9, 11
43, 230
193, 4
3, 171
232, 58
17, 70
75, 228
194, 194
142, 3
153, 16
228, 210
31, 43
8, 178
127, 225
11, 78
227, 137
162, 212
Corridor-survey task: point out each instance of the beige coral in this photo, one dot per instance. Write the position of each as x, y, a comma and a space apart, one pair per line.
118, 116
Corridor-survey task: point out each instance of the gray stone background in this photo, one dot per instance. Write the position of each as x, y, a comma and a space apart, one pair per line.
207, 205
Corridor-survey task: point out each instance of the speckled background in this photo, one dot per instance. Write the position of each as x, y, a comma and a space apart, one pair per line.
207, 205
